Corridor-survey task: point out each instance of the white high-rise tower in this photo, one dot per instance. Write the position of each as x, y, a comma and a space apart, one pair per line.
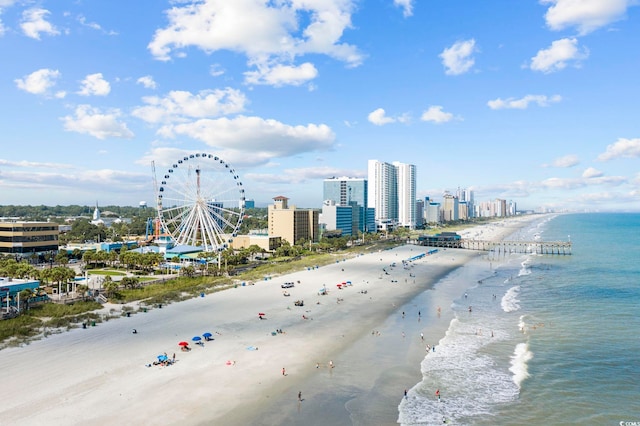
383, 191
392, 192
406, 194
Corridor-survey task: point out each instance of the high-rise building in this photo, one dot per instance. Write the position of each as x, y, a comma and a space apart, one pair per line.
352, 192
336, 217
383, 191
450, 208
292, 224
466, 195
406, 194
392, 192
420, 212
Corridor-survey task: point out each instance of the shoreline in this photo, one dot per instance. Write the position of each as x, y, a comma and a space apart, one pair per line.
100, 374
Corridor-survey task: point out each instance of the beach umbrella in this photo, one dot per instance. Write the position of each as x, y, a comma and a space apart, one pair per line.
183, 344
261, 314
196, 338
207, 334
162, 357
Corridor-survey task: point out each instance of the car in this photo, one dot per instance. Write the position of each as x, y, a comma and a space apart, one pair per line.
287, 285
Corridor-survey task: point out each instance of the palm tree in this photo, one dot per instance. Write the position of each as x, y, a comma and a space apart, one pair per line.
25, 297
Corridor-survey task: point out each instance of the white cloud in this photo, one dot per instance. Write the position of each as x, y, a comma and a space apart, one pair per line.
585, 15
523, 103
92, 121
280, 75
436, 115
183, 105
566, 161
557, 55
34, 23
406, 5
38, 82
457, 59
34, 164
262, 138
622, 148
216, 70
590, 173
268, 33
94, 84
147, 81
379, 118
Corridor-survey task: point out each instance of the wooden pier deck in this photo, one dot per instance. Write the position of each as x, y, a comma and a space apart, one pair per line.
506, 247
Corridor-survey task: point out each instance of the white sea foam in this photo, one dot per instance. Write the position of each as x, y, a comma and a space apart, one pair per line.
519, 360
524, 268
522, 325
510, 301
470, 382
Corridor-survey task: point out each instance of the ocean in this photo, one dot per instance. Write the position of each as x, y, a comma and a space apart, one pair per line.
549, 339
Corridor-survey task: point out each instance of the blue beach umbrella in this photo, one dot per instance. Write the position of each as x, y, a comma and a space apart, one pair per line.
207, 334
162, 357
196, 338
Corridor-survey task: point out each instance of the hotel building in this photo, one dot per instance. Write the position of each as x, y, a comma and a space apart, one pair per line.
292, 224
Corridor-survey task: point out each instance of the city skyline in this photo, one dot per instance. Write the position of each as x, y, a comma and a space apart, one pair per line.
533, 104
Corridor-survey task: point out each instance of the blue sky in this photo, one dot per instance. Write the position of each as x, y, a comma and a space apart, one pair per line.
533, 101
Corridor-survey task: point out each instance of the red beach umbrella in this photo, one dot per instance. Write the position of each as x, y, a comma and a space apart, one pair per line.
261, 314
183, 344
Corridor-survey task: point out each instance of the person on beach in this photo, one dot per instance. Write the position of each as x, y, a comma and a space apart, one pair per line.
330, 364
300, 396
284, 372
422, 336
405, 394
438, 394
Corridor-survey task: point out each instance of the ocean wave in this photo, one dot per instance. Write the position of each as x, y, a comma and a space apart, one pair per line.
519, 360
510, 301
470, 383
525, 268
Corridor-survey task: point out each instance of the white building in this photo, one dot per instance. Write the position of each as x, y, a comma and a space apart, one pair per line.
392, 193
383, 191
406, 194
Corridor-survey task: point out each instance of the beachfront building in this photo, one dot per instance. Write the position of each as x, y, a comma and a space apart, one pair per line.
354, 193
466, 196
265, 242
432, 213
495, 208
337, 218
406, 194
420, 214
383, 191
28, 238
392, 193
450, 204
292, 224
10, 289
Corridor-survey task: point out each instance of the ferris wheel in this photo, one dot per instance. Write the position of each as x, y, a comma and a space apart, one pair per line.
201, 202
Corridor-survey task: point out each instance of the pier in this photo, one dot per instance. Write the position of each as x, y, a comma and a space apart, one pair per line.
502, 247
506, 247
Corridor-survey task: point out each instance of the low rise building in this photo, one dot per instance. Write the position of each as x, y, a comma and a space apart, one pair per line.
28, 238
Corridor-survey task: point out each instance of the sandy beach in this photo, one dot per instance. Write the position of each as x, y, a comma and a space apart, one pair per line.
99, 375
